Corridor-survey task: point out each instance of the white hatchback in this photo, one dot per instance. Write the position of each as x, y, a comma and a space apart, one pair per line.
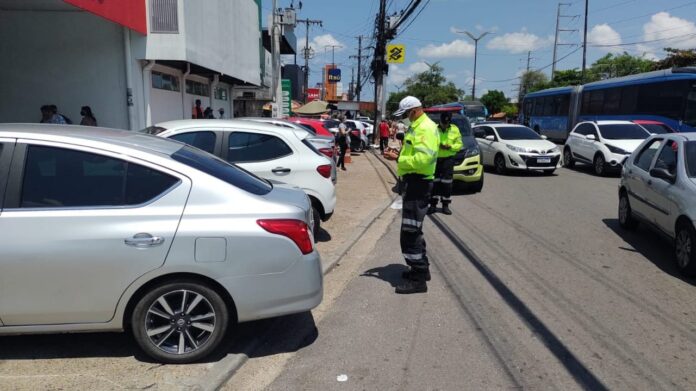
269, 151
516, 147
604, 144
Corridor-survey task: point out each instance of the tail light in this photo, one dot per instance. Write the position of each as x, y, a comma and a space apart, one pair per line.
365, 132
295, 230
355, 132
327, 151
324, 170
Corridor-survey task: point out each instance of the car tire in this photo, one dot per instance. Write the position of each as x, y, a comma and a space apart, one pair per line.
568, 160
499, 164
159, 326
626, 218
599, 165
685, 249
360, 147
316, 222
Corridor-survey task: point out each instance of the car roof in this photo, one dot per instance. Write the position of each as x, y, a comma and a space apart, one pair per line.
608, 122
92, 135
241, 124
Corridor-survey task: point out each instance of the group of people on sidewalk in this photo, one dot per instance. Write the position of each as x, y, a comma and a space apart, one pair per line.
50, 115
425, 165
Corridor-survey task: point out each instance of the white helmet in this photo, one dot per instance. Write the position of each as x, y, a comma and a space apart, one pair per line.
408, 103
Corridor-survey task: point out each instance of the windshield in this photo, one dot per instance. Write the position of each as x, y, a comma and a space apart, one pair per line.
220, 169
657, 128
690, 154
623, 132
517, 133
474, 111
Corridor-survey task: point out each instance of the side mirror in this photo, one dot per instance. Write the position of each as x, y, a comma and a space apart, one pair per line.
544, 137
591, 137
662, 173
490, 138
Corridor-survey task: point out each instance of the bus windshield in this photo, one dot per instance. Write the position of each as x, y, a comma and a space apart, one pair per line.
623, 132
517, 133
690, 113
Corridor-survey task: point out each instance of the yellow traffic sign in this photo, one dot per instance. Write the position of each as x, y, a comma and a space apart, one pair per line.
396, 54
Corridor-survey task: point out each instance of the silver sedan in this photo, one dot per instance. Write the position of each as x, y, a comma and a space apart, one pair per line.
106, 230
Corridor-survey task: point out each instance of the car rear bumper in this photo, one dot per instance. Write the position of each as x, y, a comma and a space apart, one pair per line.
470, 170
298, 289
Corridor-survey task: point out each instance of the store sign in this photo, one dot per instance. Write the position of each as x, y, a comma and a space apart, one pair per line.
286, 105
334, 75
396, 54
128, 13
313, 94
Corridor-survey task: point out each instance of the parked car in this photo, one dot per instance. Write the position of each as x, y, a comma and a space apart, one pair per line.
654, 127
604, 144
469, 172
516, 147
363, 118
331, 125
106, 230
358, 135
658, 188
266, 150
313, 125
369, 129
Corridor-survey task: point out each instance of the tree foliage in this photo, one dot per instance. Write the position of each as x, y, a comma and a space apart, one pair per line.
612, 65
431, 87
533, 81
494, 100
677, 58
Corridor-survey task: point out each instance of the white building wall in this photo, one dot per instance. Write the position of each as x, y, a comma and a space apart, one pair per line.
68, 59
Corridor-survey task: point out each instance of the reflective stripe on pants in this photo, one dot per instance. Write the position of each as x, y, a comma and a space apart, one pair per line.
415, 207
443, 182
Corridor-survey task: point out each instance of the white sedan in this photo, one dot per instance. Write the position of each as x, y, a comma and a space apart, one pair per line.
516, 147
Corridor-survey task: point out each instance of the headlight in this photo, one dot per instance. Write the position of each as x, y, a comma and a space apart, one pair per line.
471, 152
516, 149
616, 150
555, 149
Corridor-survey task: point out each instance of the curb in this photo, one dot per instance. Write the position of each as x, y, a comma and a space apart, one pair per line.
222, 371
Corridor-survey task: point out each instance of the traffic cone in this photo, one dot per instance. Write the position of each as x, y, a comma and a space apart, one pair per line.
347, 158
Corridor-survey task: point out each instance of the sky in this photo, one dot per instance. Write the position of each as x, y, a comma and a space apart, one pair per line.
639, 27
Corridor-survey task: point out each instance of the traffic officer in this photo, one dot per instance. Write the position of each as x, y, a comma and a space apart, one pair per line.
416, 167
450, 144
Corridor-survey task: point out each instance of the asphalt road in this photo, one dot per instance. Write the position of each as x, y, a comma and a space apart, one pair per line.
534, 286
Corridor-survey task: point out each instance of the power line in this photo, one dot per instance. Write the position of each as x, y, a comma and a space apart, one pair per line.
651, 14
643, 42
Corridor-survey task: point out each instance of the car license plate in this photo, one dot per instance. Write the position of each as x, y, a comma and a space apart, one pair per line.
543, 160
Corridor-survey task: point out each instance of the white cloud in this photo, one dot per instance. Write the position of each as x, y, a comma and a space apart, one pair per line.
519, 42
398, 74
454, 49
603, 34
418, 67
672, 31
319, 42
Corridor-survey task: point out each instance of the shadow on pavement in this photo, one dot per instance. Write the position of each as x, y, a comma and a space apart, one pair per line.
390, 273
589, 170
520, 173
652, 246
322, 236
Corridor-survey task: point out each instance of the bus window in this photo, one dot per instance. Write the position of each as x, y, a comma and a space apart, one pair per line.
629, 100
612, 101
596, 102
663, 99
563, 105
690, 113
538, 106
585, 108
548, 106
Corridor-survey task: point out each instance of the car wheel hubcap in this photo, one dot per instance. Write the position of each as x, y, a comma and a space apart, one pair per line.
180, 322
623, 210
566, 157
500, 164
599, 165
683, 248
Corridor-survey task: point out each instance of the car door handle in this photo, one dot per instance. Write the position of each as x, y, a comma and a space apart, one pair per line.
143, 240
280, 170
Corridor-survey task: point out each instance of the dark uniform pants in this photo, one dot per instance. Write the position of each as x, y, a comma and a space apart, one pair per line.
442, 184
415, 206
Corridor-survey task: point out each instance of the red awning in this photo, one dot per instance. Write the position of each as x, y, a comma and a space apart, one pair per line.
128, 13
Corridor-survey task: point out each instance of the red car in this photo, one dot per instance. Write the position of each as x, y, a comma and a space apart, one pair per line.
655, 127
316, 127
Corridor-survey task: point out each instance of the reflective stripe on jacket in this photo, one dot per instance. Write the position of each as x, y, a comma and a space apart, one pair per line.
451, 137
420, 148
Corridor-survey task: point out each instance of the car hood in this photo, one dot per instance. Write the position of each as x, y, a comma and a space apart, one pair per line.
469, 142
626, 145
538, 145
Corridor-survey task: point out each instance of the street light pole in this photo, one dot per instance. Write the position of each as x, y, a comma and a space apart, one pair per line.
476, 41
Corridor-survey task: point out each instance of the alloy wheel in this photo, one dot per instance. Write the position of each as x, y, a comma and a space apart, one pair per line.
684, 248
599, 165
499, 164
180, 322
623, 210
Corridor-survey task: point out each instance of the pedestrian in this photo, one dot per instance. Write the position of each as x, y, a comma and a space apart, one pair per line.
49, 115
208, 113
59, 118
197, 112
88, 118
416, 166
342, 142
450, 144
45, 114
400, 131
383, 135
221, 111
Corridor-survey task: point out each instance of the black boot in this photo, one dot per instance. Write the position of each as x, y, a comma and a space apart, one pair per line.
408, 275
432, 209
414, 285
445, 208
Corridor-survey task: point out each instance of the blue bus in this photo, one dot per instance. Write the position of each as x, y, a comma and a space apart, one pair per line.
667, 96
473, 110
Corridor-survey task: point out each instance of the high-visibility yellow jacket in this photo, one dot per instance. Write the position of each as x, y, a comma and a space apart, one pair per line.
451, 137
420, 147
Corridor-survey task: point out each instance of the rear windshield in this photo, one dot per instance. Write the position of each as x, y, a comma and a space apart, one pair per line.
331, 123
657, 128
220, 169
459, 120
312, 147
517, 133
690, 154
309, 128
623, 132
153, 130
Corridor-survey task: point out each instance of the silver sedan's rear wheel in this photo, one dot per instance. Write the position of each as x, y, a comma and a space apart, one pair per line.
685, 249
180, 322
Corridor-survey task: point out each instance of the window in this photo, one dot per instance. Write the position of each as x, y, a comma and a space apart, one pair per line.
585, 129
667, 158
220, 169
202, 140
221, 93
164, 16
585, 107
646, 155
629, 100
165, 81
612, 101
255, 147
562, 105
517, 133
489, 131
690, 112
57, 177
538, 106
549, 106
623, 132
196, 88
596, 102
663, 99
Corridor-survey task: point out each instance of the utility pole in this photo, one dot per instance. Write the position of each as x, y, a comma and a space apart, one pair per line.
307, 51
275, 52
333, 52
584, 41
476, 41
529, 60
379, 65
558, 31
359, 57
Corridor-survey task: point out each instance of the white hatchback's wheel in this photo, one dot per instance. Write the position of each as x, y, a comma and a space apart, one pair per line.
599, 165
568, 158
180, 322
685, 249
